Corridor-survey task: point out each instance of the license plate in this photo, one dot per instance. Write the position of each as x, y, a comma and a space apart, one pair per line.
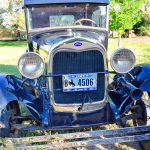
79, 82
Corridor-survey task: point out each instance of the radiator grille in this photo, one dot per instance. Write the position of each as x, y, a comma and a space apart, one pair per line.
73, 63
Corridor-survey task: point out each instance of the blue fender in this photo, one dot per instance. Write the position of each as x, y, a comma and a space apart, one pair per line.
26, 95
12, 90
144, 78
5, 95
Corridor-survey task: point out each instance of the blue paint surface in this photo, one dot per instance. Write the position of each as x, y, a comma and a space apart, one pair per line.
78, 44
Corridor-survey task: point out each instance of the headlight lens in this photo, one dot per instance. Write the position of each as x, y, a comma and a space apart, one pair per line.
31, 65
122, 60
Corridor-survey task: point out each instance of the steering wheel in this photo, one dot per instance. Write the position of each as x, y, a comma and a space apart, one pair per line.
85, 19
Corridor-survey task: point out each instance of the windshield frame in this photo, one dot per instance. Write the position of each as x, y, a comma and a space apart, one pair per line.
30, 30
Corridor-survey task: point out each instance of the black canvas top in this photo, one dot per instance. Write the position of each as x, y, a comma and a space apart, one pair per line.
38, 2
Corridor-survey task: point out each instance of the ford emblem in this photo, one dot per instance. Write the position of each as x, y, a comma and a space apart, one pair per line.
78, 44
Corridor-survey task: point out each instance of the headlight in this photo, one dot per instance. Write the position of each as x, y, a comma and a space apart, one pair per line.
122, 60
31, 65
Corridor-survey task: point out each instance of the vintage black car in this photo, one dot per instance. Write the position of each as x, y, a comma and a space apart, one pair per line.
65, 77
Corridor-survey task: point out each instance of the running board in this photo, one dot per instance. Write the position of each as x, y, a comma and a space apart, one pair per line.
79, 139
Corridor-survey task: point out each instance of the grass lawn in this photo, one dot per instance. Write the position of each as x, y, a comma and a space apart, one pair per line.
11, 51
9, 55
140, 47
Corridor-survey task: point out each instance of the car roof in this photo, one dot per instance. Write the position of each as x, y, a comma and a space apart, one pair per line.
39, 2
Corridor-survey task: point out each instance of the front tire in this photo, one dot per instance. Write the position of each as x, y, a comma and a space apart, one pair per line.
6, 119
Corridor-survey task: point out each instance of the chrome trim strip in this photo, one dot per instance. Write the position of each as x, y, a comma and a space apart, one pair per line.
96, 45
66, 27
107, 21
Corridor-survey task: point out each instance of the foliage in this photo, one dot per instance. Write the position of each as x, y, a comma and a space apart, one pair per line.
1, 17
128, 14
11, 15
145, 30
147, 8
142, 27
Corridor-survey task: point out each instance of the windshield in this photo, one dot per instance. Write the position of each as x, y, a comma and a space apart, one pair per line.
67, 15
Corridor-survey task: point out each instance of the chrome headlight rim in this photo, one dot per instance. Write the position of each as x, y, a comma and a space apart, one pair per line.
115, 52
42, 60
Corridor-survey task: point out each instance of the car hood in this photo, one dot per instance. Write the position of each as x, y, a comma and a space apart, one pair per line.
47, 39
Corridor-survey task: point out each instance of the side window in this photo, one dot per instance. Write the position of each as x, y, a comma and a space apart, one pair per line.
99, 15
61, 20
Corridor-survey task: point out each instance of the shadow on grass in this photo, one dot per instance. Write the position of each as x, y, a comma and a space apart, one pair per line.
13, 44
9, 69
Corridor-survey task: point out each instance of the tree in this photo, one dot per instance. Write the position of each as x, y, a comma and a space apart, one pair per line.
13, 17
147, 6
124, 14
143, 26
147, 9
1, 17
